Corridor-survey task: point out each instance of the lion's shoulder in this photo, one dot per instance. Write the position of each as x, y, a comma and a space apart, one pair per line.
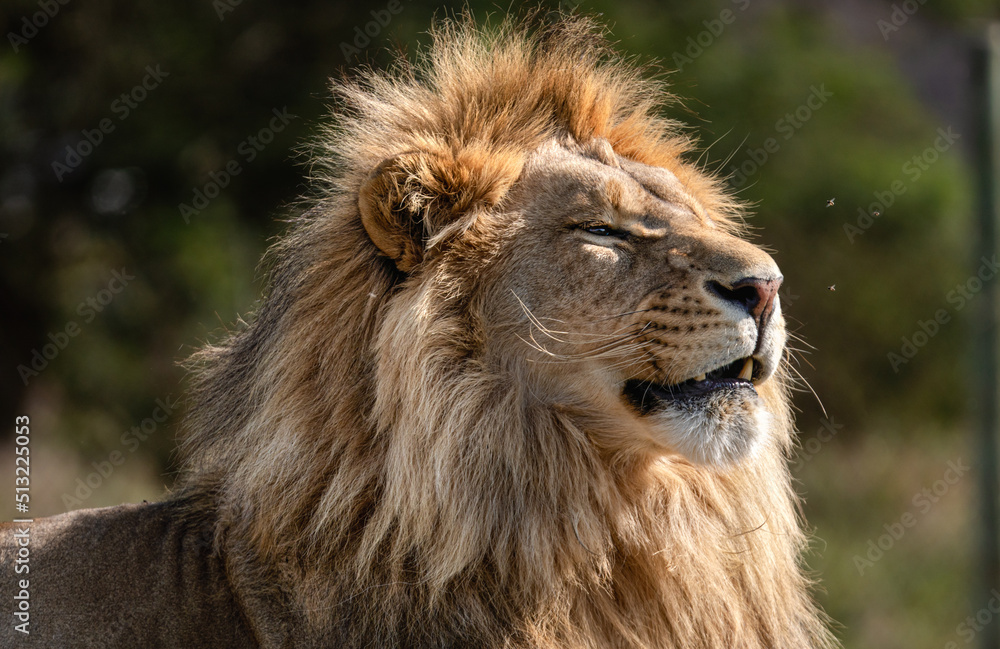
127, 576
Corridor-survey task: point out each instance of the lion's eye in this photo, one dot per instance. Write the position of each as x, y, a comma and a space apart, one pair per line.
601, 230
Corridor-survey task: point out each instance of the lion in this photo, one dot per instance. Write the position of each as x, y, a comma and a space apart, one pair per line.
517, 382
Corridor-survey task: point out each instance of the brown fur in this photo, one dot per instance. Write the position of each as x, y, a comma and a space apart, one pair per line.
126, 577
368, 436
421, 440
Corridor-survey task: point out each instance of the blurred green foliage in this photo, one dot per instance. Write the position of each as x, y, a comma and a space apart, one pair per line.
837, 109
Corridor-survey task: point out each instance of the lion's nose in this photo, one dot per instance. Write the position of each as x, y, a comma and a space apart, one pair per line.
753, 294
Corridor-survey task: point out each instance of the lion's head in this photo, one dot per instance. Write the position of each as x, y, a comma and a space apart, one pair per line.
516, 382
599, 279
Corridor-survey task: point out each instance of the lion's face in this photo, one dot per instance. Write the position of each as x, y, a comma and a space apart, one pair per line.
628, 292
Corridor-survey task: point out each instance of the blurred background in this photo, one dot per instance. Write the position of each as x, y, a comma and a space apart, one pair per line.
149, 152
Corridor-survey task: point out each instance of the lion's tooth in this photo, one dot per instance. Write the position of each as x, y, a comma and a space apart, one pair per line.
747, 372
700, 377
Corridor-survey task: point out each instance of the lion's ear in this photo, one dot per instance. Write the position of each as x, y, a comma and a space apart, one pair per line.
414, 201
390, 211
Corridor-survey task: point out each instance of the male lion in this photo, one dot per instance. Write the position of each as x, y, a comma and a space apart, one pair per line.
517, 383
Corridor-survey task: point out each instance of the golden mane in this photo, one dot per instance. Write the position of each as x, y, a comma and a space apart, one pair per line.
401, 493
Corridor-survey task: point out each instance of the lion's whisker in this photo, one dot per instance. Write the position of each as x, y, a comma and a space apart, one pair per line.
810, 387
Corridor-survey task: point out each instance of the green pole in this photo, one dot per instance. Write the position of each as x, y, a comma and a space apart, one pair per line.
987, 82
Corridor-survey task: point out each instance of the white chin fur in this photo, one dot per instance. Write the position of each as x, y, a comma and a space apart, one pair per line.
715, 431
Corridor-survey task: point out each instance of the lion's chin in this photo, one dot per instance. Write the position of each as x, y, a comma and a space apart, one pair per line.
714, 428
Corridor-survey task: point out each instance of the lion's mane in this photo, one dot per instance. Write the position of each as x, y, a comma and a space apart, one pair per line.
369, 468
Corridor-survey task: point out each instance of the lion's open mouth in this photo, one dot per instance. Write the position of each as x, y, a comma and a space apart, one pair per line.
741, 374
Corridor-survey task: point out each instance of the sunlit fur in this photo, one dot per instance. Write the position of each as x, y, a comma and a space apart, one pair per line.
374, 472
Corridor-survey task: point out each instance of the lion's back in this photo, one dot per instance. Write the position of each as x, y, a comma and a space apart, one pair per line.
126, 576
